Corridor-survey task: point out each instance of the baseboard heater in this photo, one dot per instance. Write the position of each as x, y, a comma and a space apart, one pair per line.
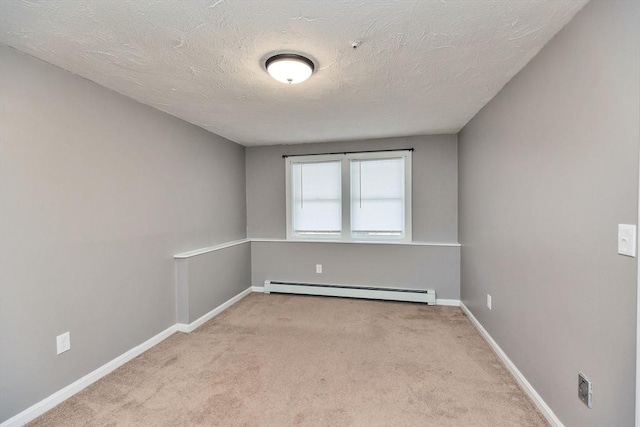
393, 294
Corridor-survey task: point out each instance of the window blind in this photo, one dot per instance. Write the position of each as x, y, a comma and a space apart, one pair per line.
317, 198
377, 197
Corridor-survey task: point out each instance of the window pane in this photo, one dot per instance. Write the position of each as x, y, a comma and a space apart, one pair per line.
377, 197
317, 193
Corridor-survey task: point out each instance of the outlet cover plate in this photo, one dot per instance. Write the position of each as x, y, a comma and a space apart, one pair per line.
585, 390
63, 342
627, 240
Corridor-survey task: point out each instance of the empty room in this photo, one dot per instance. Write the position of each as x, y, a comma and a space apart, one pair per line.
319, 213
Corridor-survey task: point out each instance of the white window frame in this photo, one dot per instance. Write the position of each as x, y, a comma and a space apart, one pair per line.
346, 234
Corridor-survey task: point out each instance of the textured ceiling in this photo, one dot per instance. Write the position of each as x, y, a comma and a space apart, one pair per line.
423, 67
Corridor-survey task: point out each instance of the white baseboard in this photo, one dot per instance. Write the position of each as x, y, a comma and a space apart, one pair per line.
188, 328
522, 381
257, 289
449, 302
63, 394
60, 396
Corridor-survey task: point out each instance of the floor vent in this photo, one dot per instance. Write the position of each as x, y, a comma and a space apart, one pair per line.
392, 294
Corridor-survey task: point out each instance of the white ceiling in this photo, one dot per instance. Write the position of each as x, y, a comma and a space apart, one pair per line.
423, 66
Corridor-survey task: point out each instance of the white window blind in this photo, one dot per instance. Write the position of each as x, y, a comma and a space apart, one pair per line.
317, 199
377, 197
349, 196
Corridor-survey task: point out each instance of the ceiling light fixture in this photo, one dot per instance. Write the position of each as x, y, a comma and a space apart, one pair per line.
289, 68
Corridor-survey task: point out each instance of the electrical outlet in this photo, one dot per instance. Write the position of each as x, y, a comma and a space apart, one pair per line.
63, 342
489, 301
318, 268
585, 390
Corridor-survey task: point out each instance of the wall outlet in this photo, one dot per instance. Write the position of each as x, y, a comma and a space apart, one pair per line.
585, 390
63, 342
318, 268
489, 301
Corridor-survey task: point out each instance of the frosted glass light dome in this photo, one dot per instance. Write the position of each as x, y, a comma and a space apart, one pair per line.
289, 68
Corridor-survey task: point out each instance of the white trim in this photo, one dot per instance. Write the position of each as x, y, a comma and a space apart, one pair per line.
448, 302
638, 317
515, 372
257, 289
345, 203
408, 192
63, 394
359, 242
188, 328
201, 251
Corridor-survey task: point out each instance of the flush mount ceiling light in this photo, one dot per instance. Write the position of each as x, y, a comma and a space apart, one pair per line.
289, 68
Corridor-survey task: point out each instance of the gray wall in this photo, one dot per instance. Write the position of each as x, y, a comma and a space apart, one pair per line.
547, 170
435, 219
434, 180
211, 279
97, 193
401, 266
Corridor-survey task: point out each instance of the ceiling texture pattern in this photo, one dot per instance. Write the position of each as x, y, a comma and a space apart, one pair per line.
422, 67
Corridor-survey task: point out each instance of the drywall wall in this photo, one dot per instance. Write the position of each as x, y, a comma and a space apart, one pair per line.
213, 278
400, 266
548, 169
434, 180
435, 210
97, 193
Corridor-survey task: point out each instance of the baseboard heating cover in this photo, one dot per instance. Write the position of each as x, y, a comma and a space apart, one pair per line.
392, 294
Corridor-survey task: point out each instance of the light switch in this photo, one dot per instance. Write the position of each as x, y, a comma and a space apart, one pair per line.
627, 239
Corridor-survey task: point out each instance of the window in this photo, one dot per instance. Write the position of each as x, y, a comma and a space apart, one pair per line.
317, 199
353, 196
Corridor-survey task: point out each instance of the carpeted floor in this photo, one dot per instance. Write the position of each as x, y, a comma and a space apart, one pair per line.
284, 360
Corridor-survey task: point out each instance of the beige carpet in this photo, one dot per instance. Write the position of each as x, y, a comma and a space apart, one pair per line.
280, 360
